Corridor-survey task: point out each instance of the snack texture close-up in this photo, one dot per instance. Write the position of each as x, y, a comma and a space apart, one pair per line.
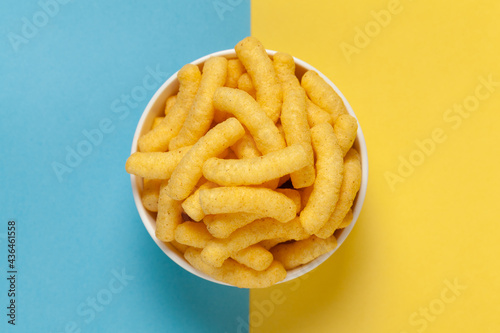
248, 167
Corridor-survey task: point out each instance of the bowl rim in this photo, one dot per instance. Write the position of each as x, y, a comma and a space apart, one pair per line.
176, 256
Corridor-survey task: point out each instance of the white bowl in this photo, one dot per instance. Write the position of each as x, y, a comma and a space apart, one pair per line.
156, 107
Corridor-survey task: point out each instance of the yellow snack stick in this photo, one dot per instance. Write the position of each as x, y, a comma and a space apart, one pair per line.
264, 132
156, 122
316, 115
292, 255
221, 200
270, 243
170, 103
169, 215
236, 274
256, 170
201, 113
192, 234
218, 250
189, 170
196, 235
294, 117
292, 194
155, 165
245, 83
223, 225
345, 130
192, 206
159, 138
150, 194
234, 70
322, 94
350, 186
329, 174
179, 247
347, 220
284, 64
259, 66
255, 257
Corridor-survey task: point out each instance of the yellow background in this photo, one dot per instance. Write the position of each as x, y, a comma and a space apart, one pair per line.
443, 222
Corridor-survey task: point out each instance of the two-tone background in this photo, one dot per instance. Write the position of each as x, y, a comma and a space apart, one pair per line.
423, 78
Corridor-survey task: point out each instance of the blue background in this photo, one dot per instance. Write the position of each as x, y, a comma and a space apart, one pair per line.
74, 232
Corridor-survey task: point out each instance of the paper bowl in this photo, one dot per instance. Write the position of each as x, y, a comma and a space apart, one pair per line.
156, 107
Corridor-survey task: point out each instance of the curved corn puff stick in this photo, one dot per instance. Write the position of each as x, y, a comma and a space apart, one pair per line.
265, 133
294, 117
350, 186
316, 115
253, 55
189, 170
270, 243
169, 215
150, 194
221, 200
284, 64
170, 103
192, 205
329, 171
234, 70
156, 122
155, 165
245, 83
345, 130
159, 138
218, 250
256, 170
201, 113
254, 257
192, 234
322, 94
298, 253
236, 274
347, 220
223, 225
196, 235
